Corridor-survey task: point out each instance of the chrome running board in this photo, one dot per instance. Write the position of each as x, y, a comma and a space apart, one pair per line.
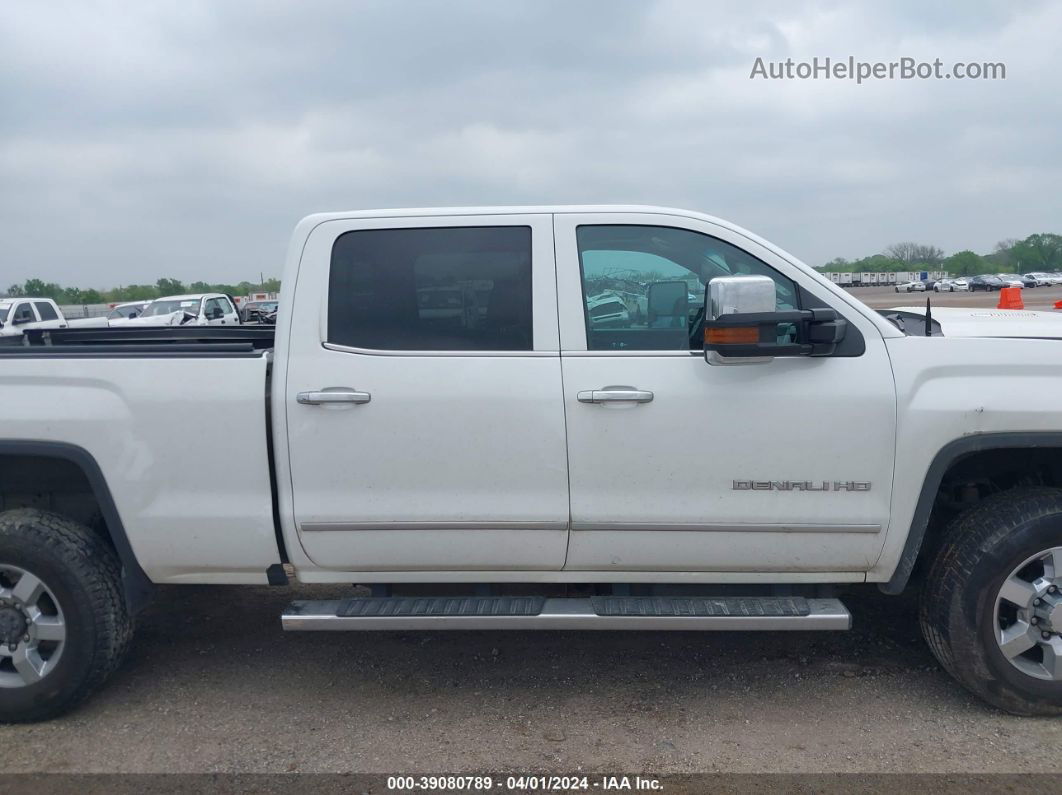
598, 612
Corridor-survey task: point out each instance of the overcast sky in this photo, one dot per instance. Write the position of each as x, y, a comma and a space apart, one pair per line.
185, 139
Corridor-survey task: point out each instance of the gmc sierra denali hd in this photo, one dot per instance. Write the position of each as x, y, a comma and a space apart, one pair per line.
552, 417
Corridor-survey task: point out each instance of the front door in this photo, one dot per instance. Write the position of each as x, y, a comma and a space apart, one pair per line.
424, 402
218, 311
679, 465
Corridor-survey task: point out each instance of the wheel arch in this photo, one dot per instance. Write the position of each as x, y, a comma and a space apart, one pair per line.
947, 458
136, 585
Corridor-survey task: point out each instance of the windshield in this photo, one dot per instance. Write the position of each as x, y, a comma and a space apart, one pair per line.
3, 313
156, 308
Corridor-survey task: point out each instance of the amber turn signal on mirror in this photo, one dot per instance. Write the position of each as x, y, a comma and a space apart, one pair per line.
747, 335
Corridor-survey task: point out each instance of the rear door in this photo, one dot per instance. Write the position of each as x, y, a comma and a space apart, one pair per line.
49, 315
423, 397
679, 465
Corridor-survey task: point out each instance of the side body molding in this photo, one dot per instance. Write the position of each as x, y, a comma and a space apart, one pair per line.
944, 459
137, 586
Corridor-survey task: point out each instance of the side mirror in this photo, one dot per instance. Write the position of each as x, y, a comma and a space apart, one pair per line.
20, 319
742, 326
668, 305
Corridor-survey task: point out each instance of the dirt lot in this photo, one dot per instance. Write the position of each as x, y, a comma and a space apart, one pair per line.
1042, 298
213, 685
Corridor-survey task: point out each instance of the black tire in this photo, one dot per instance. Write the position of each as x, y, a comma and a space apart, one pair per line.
82, 572
980, 550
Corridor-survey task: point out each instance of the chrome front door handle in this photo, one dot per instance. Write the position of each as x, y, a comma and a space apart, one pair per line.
615, 394
332, 395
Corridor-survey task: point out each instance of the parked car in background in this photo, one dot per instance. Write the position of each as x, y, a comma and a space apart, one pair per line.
19, 314
1041, 279
208, 309
986, 282
911, 287
1016, 280
127, 311
256, 311
118, 312
607, 309
961, 284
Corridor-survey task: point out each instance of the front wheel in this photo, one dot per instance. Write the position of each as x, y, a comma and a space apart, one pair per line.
64, 627
991, 609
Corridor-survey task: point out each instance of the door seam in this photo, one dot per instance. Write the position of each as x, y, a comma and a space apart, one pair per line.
563, 392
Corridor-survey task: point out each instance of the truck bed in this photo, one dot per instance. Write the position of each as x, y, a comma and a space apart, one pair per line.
140, 341
176, 420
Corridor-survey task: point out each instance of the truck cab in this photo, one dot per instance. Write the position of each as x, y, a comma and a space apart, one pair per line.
545, 463
20, 314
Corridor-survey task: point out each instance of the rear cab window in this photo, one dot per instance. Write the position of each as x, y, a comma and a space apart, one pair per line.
45, 310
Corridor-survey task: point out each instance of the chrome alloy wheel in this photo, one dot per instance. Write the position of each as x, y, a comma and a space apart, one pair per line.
32, 628
1028, 616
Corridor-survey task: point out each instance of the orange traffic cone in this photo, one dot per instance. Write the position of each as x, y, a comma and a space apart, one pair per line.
1010, 298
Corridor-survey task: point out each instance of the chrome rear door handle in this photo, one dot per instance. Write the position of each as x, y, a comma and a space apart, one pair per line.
336, 395
615, 394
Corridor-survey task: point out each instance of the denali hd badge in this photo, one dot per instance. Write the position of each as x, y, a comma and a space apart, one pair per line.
801, 485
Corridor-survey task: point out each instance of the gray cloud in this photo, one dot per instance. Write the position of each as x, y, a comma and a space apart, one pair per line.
185, 139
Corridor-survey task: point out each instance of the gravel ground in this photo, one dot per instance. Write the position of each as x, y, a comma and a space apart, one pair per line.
214, 685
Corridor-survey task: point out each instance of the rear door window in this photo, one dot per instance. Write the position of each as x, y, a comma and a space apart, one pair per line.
432, 289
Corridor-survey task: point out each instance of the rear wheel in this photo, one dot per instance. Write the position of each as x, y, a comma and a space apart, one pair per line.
992, 606
64, 627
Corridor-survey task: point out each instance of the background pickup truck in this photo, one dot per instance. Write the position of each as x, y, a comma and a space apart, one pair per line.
558, 418
20, 314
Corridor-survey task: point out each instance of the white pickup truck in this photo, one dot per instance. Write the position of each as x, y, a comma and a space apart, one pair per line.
203, 309
444, 417
19, 314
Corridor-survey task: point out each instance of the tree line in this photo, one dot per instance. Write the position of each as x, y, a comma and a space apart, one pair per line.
77, 296
1040, 252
